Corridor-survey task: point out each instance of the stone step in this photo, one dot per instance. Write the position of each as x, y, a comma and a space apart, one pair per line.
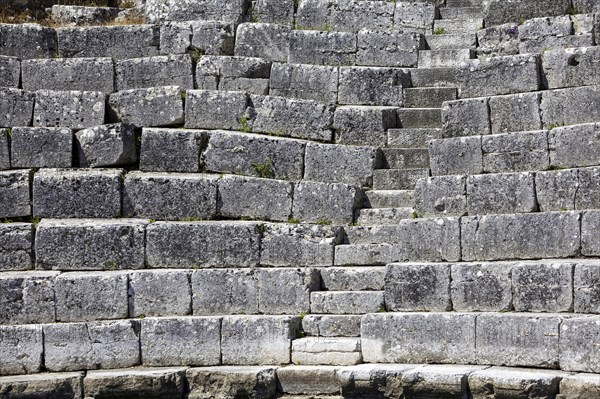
458, 26
405, 158
396, 179
444, 58
451, 41
413, 137
378, 234
346, 302
464, 3
420, 117
389, 199
331, 325
326, 351
383, 216
460, 12
352, 278
427, 97
433, 77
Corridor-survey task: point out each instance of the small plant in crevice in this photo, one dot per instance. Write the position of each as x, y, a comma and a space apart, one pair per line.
415, 215
111, 265
244, 125
439, 31
293, 220
191, 219
196, 55
261, 228
382, 309
264, 169
323, 222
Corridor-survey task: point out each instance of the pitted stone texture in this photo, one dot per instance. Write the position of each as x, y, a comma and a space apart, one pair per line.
10, 71
418, 338
175, 37
586, 287
213, 37
573, 146
589, 227
90, 244
128, 41
168, 70
363, 380
496, 237
543, 286
496, 11
159, 293
16, 250
579, 344
326, 202
177, 10
211, 109
231, 381
459, 155
588, 193
340, 15
89, 296
267, 339
438, 380
86, 74
579, 386
71, 109
501, 193
27, 297
310, 82
269, 41
372, 86
570, 67
67, 15
71, 193
14, 193
469, 117
4, 149
245, 153
311, 380
171, 150
299, 244
27, 41
106, 145
224, 291
346, 302
499, 40
356, 125
414, 16
437, 195
366, 254
515, 152
481, 287
274, 12
430, 240
90, 346
202, 244
326, 351
391, 49
515, 383
353, 278
22, 349
16, 107
286, 291
417, 287
156, 106
135, 383
62, 385
514, 113
255, 198
331, 325
322, 48
170, 196
233, 73
193, 341
582, 106
539, 34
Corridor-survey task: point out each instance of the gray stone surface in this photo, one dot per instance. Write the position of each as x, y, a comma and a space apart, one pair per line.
159, 293
499, 40
22, 349
346, 302
71, 109
359, 125
267, 339
213, 37
414, 16
233, 73
556, 190
390, 49
439, 380
434, 77
167, 70
588, 193
286, 291
16, 107
496, 11
326, 202
515, 152
176, 10
430, 240
202, 244
192, 341
4, 149
322, 48
586, 289
269, 41
27, 297
517, 112
67, 15
469, 117
224, 291
437, 195
331, 325
570, 67
515, 383
90, 244
62, 385
310, 82
417, 287
582, 106
459, 155
364, 380
573, 146
539, 34
135, 383
171, 150
16, 251
501, 193
372, 86
578, 386
67, 193
353, 278
170, 196
86, 74
543, 286
274, 11
312, 380
326, 351
518, 339
106, 145
365, 254
14, 193
156, 106
589, 226
209, 109
27, 41
579, 350
483, 287
496, 237
231, 382
90, 346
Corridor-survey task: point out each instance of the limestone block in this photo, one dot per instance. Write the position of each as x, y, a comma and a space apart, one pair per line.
515, 152
366, 254
589, 237
582, 106
495, 237
159, 293
202, 244
224, 291
67, 15
274, 12
440, 380
353, 278
325, 202
430, 240
468, 117
496, 12
299, 244
557, 189
417, 287
14, 193
355, 14
90, 346
588, 193
16, 107
390, 49
346, 302
499, 40
326, 351
175, 37
166, 70
586, 6
189, 10
459, 155
414, 16
481, 287
578, 386
171, 150
231, 381
90, 244
213, 37
170, 196
27, 41
313, 14
106, 145
437, 195
308, 380
517, 112
10, 71
22, 349
310, 82
156, 106
4, 149
71, 193
193, 341
363, 380
586, 287
418, 338
360, 125
233, 74
62, 385
372, 86
126, 41
570, 67
39, 147
286, 291
573, 146
501, 193
579, 349
322, 48
331, 325
71, 109
255, 340
148, 383
209, 109
515, 383
16, 252
543, 286
269, 41
27, 297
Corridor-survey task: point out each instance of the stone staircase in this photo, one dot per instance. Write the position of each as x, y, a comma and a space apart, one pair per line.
311, 199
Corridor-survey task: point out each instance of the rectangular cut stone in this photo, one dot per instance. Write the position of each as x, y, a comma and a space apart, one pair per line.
582, 106
106, 145
89, 296
126, 41
372, 86
375, 234
15, 196
578, 386
363, 380
88, 346
353, 278
167, 70
156, 106
71, 109
346, 302
266, 339
310, 82
543, 286
515, 382
322, 48
410, 118
10, 71
515, 152
481, 287
496, 11
26, 41
325, 202
193, 341
586, 282
501, 193
414, 16
439, 380
441, 195
522, 236
160, 293
514, 113
27, 297
22, 349
39, 147
588, 191
361, 125
4, 149
233, 73
62, 385
365, 254
274, 11
326, 351
16, 251
308, 380
299, 244
390, 49
286, 291
430, 240
171, 150
213, 37
146, 382
590, 245
231, 381
16, 107
433, 77
207, 109
418, 338
470, 117
331, 325
573, 146
181, 195
397, 179
254, 155
225, 291
372, 15
269, 41
67, 193
419, 287
86, 74
498, 40
189, 10
571, 67
557, 190
459, 155
580, 344
202, 244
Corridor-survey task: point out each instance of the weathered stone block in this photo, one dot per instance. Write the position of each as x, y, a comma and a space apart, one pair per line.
501, 193
159, 293
514, 383
310, 82
372, 86
262, 40
10, 71
417, 287
582, 106
71, 109
168, 70
430, 240
233, 74
274, 12
286, 291
181, 195
22, 349
459, 155
41, 147
90, 244
588, 192
224, 291
189, 10
331, 325
346, 302
202, 244
106, 145
570, 67
156, 106
171, 150
16, 252
148, 383
590, 246
14, 193
90, 346
326, 351
16, 107
213, 37
386, 48
579, 349
193, 341
326, 202
573, 146
499, 40
27, 41
4, 149
175, 37
414, 16
364, 380
586, 288
539, 34
366, 254
67, 15
308, 380
481, 287
231, 381
445, 195
27, 297
208, 109
439, 380
543, 286
345, 15
62, 385
322, 48
513, 113
515, 152
357, 125
496, 11
71, 193
469, 117
557, 190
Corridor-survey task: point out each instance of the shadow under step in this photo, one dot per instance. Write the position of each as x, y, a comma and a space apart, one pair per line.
413, 137
428, 97
389, 199
420, 117
405, 158
396, 179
